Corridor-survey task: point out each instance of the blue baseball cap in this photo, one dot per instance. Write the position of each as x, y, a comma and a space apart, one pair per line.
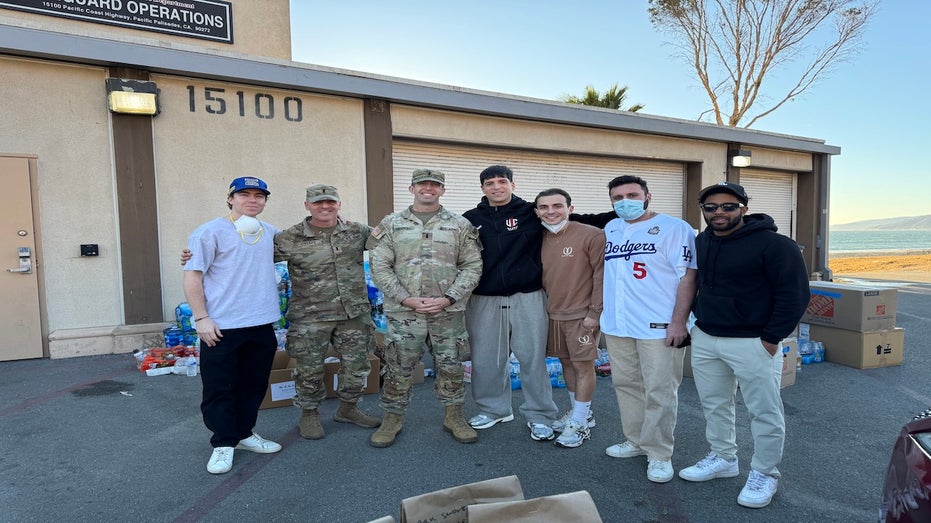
247, 182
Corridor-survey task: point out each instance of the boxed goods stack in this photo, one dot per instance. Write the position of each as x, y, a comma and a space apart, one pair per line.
856, 324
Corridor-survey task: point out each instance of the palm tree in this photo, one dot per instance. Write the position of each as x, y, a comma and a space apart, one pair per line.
612, 98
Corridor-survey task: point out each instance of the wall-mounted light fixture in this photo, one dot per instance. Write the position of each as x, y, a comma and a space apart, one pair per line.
132, 96
740, 158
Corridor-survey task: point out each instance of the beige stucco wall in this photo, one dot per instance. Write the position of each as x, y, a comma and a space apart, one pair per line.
199, 153
431, 124
59, 112
260, 28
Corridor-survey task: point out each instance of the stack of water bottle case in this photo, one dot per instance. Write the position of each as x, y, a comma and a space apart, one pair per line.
855, 324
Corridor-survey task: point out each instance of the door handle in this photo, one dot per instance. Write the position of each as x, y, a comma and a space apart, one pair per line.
25, 262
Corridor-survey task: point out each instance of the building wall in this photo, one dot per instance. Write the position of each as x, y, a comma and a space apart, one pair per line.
260, 28
59, 113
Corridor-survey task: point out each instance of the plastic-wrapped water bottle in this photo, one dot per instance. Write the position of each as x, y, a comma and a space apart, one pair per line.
174, 336
192, 366
183, 316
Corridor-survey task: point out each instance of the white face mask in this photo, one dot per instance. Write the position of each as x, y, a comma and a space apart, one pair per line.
555, 228
247, 225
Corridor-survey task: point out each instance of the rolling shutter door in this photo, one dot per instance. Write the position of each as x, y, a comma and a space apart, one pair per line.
773, 194
585, 178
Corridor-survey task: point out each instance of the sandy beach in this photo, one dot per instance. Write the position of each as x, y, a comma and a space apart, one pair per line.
912, 267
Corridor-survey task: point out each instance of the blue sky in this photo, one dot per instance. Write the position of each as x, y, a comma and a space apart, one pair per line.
875, 107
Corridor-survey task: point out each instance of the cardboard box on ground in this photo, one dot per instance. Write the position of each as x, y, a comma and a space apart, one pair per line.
280, 389
494, 500
787, 366
861, 350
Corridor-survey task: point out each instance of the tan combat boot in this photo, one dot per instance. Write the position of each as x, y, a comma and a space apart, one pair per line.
349, 413
390, 426
456, 425
310, 424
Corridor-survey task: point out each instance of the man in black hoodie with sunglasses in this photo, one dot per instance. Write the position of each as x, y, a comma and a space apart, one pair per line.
752, 292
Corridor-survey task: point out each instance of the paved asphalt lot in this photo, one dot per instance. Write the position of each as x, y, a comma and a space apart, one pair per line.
91, 439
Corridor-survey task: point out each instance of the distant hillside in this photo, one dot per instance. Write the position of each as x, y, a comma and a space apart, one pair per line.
903, 223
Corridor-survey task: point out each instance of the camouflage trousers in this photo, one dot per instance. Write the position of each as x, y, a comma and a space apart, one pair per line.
408, 333
308, 343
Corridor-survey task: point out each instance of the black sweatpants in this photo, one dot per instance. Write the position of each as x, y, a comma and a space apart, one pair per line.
234, 374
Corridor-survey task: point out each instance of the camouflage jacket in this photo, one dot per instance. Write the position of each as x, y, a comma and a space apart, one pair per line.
327, 273
437, 258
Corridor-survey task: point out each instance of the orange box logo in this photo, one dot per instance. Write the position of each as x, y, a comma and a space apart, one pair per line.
820, 305
881, 309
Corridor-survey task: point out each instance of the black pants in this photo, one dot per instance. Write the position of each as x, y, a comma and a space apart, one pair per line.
234, 374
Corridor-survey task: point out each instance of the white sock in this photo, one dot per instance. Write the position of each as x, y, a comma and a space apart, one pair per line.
571, 398
580, 411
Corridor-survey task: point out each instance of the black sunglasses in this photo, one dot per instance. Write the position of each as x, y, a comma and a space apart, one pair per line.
727, 207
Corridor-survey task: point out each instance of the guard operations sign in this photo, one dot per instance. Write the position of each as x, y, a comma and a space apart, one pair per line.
207, 19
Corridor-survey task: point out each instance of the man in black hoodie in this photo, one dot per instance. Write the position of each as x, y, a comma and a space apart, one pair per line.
507, 311
752, 292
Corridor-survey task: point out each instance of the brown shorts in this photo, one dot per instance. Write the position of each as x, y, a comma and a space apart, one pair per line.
568, 339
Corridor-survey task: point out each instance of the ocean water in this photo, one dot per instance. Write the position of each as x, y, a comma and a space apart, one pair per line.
858, 241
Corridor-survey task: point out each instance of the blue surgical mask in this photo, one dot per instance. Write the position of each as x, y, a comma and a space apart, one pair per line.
629, 209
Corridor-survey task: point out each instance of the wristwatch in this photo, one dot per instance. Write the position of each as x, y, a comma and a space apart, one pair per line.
450, 298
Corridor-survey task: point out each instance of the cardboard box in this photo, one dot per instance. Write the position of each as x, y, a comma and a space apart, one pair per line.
331, 377
283, 360
788, 365
789, 362
280, 389
861, 350
851, 307
418, 374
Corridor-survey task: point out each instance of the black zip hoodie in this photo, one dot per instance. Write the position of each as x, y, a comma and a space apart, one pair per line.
511, 237
751, 283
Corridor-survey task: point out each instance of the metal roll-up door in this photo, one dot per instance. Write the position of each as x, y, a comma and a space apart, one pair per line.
772, 193
585, 178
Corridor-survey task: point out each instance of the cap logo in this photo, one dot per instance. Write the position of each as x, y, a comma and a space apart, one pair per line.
250, 182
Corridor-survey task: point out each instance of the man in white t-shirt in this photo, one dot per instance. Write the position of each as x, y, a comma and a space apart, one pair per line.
649, 283
230, 284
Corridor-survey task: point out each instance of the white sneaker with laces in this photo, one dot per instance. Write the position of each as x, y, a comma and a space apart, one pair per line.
560, 424
484, 421
659, 471
256, 443
624, 450
221, 461
758, 491
710, 467
573, 435
540, 431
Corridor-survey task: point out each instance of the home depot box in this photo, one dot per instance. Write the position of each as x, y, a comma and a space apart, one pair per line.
851, 307
787, 365
280, 389
331, 377
861, 350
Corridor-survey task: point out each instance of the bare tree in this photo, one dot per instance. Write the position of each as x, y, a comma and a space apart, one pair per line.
613, 98
735, 44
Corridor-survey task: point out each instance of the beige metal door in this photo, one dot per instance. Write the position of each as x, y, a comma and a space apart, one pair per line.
19, 285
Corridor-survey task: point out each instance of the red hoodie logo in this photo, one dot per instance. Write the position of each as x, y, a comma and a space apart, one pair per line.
511, 223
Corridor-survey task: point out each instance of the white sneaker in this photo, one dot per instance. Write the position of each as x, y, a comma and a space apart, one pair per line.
710, 467
484, 421
560, 424
758, 491
540, 431
659, 471
256, 443
221, 461
573, 435
624, 450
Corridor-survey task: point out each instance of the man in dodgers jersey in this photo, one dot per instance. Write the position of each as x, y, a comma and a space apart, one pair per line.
649, 282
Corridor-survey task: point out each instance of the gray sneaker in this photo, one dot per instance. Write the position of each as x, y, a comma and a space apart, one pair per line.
573, 435
540, 431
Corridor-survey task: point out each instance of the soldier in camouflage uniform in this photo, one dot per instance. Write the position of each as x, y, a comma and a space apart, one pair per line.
427, 262
329, 305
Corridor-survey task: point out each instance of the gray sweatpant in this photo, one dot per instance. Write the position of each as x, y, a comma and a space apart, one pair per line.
499, 325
